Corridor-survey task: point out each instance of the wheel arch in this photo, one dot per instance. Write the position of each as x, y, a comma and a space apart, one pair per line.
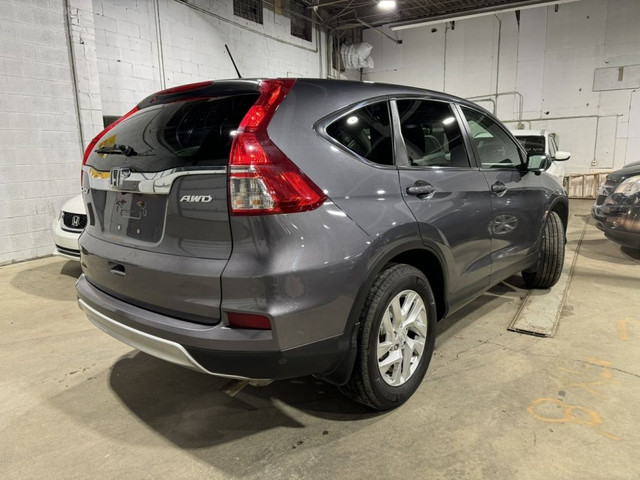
561, 207
429, 263
426, 259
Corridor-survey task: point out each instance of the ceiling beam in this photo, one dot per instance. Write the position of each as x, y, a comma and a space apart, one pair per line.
521, 5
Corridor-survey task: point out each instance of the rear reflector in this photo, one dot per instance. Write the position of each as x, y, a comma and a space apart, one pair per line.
248, 320
262, 180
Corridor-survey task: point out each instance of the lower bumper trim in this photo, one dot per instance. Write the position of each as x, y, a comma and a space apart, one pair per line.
67, 253
158, 347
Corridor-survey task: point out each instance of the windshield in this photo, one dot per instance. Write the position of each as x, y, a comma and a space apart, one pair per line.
532, 144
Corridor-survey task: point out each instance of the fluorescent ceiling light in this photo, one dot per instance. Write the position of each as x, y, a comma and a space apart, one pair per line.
387, 4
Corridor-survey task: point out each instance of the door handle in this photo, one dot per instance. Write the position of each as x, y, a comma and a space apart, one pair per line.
421, 190
498, 188
117, 269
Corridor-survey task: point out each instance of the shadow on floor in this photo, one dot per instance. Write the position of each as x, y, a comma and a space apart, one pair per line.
632, 254
511, 290
52, 280
190, 410
603, 249
240, 435
72, 269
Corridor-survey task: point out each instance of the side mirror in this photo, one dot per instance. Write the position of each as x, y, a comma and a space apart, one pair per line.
537, 162
562, 156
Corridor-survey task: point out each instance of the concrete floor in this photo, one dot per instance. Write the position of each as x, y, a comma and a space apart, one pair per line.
495, 404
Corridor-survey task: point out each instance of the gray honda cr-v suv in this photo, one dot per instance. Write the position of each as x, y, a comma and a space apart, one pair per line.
269, 229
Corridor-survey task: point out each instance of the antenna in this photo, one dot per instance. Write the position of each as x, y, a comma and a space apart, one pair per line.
232, 60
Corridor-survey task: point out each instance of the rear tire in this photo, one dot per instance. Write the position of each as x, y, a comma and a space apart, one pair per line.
551, 259
396, 339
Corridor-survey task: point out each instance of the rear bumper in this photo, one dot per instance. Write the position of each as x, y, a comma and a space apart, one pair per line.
216, 350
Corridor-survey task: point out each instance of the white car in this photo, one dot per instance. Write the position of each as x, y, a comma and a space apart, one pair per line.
544, 142
68, 227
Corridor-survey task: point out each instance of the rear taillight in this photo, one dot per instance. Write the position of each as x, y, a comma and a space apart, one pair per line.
97, 138
262, 180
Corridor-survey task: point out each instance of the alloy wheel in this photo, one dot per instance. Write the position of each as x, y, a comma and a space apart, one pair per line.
401, 338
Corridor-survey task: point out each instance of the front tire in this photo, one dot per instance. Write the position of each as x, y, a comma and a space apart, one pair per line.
396, 339
551, 260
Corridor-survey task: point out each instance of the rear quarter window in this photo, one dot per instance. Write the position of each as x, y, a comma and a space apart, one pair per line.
366, 132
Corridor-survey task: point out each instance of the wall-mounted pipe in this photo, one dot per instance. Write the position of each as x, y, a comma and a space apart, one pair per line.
500, 94
74, 73
491, 100
163, 78
498, 56
394, 40
594, 160
569, 117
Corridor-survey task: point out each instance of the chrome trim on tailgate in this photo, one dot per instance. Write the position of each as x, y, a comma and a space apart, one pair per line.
158, 347
128, 180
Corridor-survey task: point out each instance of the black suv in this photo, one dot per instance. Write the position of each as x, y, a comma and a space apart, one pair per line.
268, 229
617, 208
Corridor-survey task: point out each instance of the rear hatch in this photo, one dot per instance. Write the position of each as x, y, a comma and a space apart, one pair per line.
158, 232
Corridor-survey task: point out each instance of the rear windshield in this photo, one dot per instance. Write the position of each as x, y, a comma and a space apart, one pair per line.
532, 144
190, 133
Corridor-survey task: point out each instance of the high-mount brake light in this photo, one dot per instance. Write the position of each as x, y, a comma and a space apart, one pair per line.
97, 138
183, 88
179, 89
262, 180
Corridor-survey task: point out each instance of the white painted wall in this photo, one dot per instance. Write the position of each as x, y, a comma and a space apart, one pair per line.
192, 47
550, 59
40, 149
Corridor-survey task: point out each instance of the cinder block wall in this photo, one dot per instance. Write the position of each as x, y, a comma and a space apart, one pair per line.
39, 135
117, 59
144, 46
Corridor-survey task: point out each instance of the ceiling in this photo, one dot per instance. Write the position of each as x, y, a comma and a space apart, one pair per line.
344, 14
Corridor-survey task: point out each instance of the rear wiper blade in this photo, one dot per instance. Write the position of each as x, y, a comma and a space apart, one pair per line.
125, 150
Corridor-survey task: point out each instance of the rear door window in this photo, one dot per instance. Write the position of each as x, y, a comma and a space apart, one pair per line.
431, 134
366, 132
197, 132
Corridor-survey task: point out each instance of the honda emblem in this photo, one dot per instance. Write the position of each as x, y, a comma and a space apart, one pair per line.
118, 175
75, 221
